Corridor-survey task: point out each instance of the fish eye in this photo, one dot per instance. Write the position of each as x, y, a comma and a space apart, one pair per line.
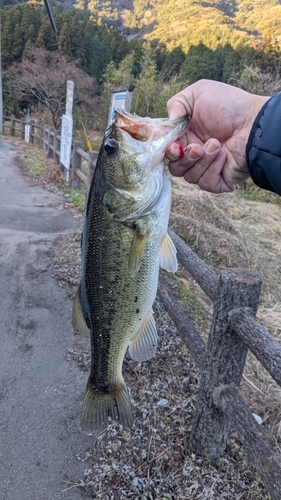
110, 147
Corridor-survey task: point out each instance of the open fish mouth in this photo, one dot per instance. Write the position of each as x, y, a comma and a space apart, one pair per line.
145, 128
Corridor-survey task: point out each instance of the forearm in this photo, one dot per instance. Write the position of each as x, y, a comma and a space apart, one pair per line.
263, 149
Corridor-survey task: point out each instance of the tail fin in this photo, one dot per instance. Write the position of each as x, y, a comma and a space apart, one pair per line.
98, 406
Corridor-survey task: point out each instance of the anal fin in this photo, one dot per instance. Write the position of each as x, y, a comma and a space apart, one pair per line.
144, 344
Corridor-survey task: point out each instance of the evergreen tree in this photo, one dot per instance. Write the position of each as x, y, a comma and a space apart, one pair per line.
7, 38
201, 62
229, 60
77, 41
64, 39
98, 52
122, 49
172, 62
146, 91
30, 23
46, 37
137, 49
18, 38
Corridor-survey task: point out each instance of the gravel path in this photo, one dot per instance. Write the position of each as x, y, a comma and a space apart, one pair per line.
41, 391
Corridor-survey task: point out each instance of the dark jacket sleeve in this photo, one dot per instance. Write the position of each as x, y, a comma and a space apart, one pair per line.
264, 146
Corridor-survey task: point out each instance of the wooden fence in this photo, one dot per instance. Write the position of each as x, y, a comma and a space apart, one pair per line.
234, 330
49, 139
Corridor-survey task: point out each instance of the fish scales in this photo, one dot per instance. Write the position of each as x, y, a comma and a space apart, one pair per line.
109, 259
124, 228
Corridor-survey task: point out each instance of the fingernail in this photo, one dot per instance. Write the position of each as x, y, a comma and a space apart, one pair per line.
192, 153
175, 151
211, 146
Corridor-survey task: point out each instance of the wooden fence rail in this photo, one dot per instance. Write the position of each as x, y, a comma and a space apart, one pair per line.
49, 139
234, 329
78, 155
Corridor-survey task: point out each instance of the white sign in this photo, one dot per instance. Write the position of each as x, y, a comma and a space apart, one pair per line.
27, 127
120, 99
26, 132
65, 142
69, 97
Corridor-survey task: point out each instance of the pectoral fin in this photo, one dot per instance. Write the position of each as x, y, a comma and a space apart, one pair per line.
79, 324
168, 255
137, 249
144, 344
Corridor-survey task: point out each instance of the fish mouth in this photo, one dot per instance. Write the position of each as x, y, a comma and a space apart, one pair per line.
144, 128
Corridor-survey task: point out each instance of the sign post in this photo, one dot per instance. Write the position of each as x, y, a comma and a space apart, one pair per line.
66, 130
122, 97
27, 127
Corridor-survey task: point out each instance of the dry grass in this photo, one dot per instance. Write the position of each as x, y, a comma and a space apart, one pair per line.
229, 231
153, 461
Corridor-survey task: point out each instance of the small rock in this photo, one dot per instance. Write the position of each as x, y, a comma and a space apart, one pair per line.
257, 418
162, 402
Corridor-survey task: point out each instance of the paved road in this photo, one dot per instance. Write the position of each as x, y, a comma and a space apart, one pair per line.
40, 392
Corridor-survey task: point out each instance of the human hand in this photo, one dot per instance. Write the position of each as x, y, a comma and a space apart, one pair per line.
212, 151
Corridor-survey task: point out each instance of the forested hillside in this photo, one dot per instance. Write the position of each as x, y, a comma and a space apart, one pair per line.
189, 22
186, 22
80, 37
157, 63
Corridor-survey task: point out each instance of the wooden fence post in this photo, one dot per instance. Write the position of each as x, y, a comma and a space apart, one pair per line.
42, 136
76, 163
51, 136
45, 137
56, 150
92, 165
22, 129
225, 360
31, 133
12, 126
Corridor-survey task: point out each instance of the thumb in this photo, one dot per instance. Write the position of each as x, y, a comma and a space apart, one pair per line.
178, 106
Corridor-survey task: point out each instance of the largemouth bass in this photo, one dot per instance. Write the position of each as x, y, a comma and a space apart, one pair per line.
124, 241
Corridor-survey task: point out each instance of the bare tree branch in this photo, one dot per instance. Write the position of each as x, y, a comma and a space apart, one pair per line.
41, 78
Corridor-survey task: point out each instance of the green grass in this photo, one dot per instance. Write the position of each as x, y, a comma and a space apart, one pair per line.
251, 192
35, 167
189, 301
77, 198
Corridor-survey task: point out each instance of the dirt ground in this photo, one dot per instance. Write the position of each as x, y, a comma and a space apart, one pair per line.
43, 453
41, 389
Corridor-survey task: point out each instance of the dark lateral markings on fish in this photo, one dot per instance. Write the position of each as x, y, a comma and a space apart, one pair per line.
124, 242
